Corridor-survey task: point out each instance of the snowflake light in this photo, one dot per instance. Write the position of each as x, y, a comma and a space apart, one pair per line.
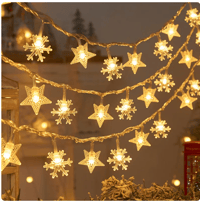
37, 48
193, 17
112, 68
163, 50
187, 58
119, 158
171, 31
64, 110
198, 38
35, 97
148, 96
82, 55
186, 100
194, 87
160, 128
140, 139
134, 61
126, 108
164, 83
57, 163
100, 114
8, 153
91, 159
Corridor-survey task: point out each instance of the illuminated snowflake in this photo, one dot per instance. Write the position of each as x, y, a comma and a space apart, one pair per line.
64, 111
126, 109
37, 47
164, 83
163, 50
193, 17
57, 163
112, 68
198, 38
119, 159
194, 87
160, 129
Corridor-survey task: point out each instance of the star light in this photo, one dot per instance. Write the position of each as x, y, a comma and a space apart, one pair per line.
193, 18
91, 159
187, 58
119, 158
163, 50
171, 31
37, 48
194, 87
57, 163
198, 38
164, 83
35, 97
134, 61
186, 100
100, 114
112, 68
8, 153
82, 55
148, 96
140, 139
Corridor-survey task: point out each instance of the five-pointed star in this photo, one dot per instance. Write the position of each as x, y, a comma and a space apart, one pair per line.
100, 114
82, 55
134, 61
171, 31
187, 100
35, 102
10, 149
140, 139
148, 96
187, 58
91, 160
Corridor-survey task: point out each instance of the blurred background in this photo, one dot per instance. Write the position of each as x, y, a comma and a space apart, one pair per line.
102, 22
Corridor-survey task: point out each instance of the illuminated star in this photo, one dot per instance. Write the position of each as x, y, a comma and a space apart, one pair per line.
187, 100
160, 129
171, 31
91, 160
140, 139
8, 153
82, 55
187, 58
100, 114
148, 96
35, 98
134, 62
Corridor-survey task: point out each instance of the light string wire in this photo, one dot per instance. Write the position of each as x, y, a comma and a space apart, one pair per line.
101, 138
24, 68
48, 20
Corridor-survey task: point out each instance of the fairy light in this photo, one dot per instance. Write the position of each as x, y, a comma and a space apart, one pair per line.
29, 179
27, 34
44, 125
187, 139
176, 182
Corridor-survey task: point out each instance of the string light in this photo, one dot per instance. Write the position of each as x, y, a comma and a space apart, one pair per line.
119, 158
82, 54
29, 179
176, 182
187, 58
148, 96
187, 139
171, 31
193, 17
186, 100
91, 158
44, 125
64, 109
134, 61
35, 97
8, 153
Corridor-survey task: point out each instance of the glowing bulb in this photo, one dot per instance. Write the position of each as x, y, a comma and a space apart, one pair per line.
112, 66
187, 139
27, 34
187, 58
195, 86
29, 179
91, 161
171, 31
57, 159
164, 81
162, 47
36, 98
134, 61
82, 55
101, 114
119, 157
176, 182
125, 107
193, 15
140, 140
64, 108
38, 42
7, 153
44, 125
160, 127
148, 97
187, 101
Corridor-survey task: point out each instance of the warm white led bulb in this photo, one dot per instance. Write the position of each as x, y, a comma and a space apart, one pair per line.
29, 179
171, 31
187, 101
187, 139
195, 86
148, 97
187, 58
36, 98
140, 140
27, 34
91, 161
119, 157
160, 127
7, 153
176, 182
134, 61
57, 159
162, 47
164, 81
64, 107
193, 15
82, 55
38, 42
100, 114
44, 125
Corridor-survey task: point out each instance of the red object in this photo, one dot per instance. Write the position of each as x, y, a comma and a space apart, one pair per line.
191, 163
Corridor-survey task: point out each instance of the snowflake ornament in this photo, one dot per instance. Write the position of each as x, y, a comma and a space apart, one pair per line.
193, 17
57, 163
198, 38
37, 47
194, 87
134, 61
112, 68
160, 129
64, 111
126, 109
163, 50
164, 83
171, 31
187, 58
187, 100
